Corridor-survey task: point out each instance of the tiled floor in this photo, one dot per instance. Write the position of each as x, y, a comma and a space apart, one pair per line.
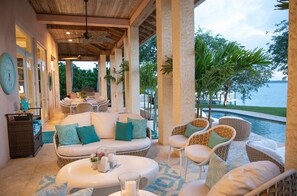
21, 176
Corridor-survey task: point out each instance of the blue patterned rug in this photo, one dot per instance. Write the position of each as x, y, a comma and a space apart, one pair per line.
168, 182
47, 137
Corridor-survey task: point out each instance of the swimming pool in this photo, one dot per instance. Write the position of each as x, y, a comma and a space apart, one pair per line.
271, 129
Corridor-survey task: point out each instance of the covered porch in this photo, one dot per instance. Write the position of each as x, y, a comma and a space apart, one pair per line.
117, 28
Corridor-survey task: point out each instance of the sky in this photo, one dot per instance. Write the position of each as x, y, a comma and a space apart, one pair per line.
248, 22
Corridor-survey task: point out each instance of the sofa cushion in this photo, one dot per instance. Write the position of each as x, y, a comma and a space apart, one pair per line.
104, 123
245, 178
124, 131
87, 134
215, 139
191, 129
83, 119
139, 127
67, 134
119, 146
124, 117
194, 188
278, 154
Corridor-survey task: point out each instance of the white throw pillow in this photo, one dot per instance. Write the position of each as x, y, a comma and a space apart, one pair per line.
104, 123
83, 119
244, 179
124, 117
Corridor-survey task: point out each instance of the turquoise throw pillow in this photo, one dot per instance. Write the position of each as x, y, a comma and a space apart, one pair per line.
215, 139
53, 190
87, 134
191, 129
139, 128
67, 134
124, 131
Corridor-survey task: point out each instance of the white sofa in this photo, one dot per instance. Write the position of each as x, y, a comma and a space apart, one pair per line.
104, 124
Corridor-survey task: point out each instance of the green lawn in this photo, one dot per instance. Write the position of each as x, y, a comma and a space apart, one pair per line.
265, 110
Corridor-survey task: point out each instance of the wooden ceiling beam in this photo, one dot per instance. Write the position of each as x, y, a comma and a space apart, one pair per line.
144, 10
80, 20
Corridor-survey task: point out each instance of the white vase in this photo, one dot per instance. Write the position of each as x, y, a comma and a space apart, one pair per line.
94, 165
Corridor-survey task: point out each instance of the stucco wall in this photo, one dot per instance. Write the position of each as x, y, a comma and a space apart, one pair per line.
18, 12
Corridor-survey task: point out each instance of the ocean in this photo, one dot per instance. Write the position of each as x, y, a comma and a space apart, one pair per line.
273, 94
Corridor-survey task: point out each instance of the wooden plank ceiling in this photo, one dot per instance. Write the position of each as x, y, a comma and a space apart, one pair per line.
107, 24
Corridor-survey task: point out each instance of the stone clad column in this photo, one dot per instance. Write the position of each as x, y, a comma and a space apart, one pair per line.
165, 89
133, 44
126, 57
113, 86
183, 61
119, 86
291, 133
68, 77
103, 84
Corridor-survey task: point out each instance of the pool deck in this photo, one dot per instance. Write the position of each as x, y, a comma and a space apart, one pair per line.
253, 114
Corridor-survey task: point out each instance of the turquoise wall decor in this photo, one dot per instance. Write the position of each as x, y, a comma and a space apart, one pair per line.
8, 77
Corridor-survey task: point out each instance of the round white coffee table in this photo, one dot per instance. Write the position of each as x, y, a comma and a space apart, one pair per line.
141, 193
79, 174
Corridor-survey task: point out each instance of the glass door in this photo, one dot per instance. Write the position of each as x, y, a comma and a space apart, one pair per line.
42, 83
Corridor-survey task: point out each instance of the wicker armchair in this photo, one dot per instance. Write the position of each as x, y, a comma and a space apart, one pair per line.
84, 107
283, 184
197, 146
65, 109
103, 106
257, 152
242, 127
178, 140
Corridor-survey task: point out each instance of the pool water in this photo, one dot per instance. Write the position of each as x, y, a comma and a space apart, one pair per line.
267, 128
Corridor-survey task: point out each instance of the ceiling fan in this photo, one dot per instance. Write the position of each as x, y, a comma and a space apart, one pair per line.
92, 37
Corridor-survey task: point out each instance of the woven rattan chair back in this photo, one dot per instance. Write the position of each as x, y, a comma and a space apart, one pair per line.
84, 107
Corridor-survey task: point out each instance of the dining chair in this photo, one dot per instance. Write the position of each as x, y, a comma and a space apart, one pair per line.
84, 107
103, 106
202, 144
178, 138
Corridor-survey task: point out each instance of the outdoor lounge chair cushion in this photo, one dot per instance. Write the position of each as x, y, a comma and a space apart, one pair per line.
177, 141
245, 178
118, 145
197, 152
194, 188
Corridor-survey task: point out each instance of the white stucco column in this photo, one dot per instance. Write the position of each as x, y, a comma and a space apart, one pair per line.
133, 44
291, 133
68, 77
99, 78
183, 61
113, 86
119, 86
165, 88
126, 58
103, 84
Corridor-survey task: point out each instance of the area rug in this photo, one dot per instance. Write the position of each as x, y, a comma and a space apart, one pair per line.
168, 182
47, 137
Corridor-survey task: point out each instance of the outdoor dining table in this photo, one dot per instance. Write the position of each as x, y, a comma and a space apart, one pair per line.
77, 101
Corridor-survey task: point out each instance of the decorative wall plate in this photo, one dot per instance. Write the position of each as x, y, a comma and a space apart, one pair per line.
8, 77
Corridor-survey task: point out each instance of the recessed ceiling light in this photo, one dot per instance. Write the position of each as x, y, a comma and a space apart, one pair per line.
68, 33
70, 40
